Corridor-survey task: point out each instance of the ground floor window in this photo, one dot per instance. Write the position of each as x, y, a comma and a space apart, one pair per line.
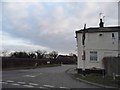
93, 56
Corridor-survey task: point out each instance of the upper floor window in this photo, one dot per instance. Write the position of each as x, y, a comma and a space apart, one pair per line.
113, 35
93, 56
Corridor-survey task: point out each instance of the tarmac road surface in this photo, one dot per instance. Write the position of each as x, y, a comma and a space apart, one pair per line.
50, 77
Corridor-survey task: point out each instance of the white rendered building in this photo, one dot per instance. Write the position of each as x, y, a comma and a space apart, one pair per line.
93, 44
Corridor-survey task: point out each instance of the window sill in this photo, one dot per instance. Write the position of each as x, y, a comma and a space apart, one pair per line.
94, 61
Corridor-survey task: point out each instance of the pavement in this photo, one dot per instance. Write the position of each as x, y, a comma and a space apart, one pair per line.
44, 78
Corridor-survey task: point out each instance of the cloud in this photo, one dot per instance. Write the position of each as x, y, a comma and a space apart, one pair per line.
51, 26
60, 0
9, 42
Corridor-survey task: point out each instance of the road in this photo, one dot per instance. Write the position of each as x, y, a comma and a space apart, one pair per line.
52, 77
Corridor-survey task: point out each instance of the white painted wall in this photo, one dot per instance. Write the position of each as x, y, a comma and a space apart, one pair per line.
105, 45
79, 50
94, 41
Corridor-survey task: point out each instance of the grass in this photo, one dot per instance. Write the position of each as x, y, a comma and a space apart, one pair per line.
96, 78
31, 67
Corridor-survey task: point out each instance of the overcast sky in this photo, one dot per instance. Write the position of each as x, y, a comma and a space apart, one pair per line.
29, 25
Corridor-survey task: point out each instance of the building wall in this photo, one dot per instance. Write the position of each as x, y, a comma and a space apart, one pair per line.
104, 42
79, 50
105, 45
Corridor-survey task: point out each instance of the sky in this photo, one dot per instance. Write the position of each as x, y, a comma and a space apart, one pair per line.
30, 25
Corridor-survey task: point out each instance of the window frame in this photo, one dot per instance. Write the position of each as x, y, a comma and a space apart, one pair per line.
93, 56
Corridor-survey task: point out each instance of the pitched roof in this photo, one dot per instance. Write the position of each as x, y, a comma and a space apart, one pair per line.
100, 29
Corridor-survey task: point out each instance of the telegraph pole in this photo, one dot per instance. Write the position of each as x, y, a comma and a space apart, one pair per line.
83, 52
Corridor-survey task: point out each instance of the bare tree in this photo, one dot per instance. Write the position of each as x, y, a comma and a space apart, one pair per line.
4, 53
20, 54
41, 54
31, 55
53, 54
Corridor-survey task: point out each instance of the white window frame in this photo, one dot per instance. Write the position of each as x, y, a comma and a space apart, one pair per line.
93, 56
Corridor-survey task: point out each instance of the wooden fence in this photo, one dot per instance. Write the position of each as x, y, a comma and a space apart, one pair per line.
112, 65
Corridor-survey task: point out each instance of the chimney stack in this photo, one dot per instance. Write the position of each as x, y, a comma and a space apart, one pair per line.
101, 24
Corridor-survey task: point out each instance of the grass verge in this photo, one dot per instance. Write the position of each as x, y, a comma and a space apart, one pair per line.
96, 78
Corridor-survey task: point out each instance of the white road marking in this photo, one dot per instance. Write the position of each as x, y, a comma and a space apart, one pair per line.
64, 87
48, 86
21, 82
28, 86
29, 76
41, 87
32, 75
15, 84
10, 81
33, 84
4, 83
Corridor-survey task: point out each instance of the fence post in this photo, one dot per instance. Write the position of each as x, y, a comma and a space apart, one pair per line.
113, 76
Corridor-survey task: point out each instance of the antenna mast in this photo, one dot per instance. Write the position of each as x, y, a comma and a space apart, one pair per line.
104, 19
100, 15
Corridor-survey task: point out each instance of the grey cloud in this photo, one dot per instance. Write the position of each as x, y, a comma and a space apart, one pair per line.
53, 29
